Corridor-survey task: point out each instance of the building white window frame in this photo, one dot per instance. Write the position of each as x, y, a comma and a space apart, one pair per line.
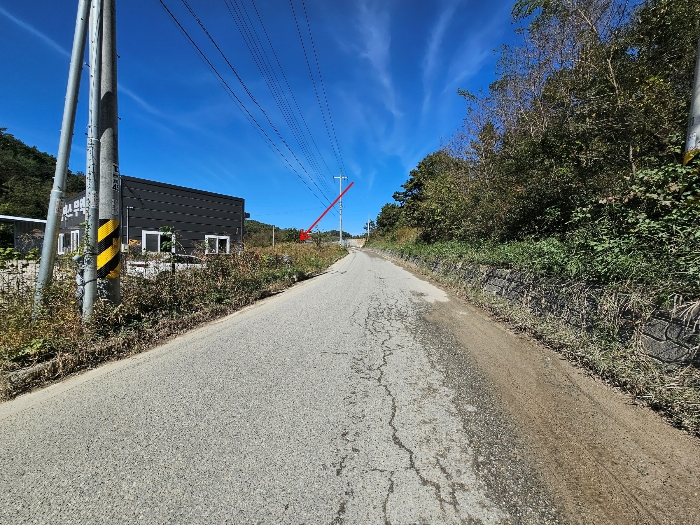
74, 240
216, 239
144, 233
61, 244
160, 235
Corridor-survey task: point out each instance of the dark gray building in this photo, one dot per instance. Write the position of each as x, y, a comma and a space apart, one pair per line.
200, 219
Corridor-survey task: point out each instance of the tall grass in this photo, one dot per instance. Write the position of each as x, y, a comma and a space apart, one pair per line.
151, 308
663, 277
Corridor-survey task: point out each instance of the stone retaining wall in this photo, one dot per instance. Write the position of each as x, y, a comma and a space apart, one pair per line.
670, 337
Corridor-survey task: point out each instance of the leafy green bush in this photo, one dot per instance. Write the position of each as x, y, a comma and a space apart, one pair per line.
644, 235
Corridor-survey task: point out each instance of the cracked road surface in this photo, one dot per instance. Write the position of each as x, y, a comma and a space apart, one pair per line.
349, 399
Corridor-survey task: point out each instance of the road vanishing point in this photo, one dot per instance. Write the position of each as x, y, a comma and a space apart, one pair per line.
364, 396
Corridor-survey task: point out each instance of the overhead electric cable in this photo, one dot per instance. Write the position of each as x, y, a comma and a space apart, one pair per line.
239, 103
323, 86
248, 32
245, 87
313, 82
301, 114
310, 155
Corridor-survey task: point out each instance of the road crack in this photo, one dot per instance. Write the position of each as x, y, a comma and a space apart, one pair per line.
389, 492
382, 327
405, 439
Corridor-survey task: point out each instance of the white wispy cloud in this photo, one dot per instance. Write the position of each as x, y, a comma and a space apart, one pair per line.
375, 30
140, 101
476, 50
432, 57
467, 65
43, 37
34, 31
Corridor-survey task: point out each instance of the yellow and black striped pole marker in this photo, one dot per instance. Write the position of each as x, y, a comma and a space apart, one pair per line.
108, 249
108, 233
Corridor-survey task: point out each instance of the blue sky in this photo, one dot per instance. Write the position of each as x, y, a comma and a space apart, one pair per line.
390, 72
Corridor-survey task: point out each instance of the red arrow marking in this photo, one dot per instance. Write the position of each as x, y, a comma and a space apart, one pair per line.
306, 234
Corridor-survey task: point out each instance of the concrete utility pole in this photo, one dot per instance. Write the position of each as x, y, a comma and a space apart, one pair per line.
92, 177
273, 235
53, 218
340, 204
108, 238
367, 228
692, 144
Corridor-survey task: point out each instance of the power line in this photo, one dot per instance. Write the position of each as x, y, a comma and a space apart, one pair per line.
301, 114
291, 111
259, 53
234, 97
318, 170
245, 87
313, 82
323, 86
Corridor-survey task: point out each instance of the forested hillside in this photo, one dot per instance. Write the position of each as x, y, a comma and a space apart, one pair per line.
26, 179
571, 163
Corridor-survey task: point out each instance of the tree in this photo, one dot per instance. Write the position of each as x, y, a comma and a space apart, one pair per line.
389, 217
584, 102
432, 197
26, 179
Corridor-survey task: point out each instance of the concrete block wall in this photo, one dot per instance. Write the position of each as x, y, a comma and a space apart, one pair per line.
670, 337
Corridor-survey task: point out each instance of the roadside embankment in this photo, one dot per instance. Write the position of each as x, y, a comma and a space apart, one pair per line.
650, 352
56, 343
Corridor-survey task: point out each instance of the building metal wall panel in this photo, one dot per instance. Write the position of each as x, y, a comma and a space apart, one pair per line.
187, 200
140, 189
193, 214
205, 217
196, 222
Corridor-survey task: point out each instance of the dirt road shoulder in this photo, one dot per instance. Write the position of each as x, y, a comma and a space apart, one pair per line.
603, 457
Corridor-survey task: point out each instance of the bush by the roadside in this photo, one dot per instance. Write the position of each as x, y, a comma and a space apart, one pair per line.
662, 275
225, 283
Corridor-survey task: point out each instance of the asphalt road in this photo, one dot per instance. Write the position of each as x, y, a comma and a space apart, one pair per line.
327, 404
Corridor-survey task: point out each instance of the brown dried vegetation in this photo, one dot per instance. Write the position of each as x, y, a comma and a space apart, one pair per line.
57, 342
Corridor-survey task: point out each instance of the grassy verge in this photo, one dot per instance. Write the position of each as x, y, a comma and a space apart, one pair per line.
664, 276
56, 342
673, 391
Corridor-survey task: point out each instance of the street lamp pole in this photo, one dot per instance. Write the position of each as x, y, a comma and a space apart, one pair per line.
53, 219
127, 225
